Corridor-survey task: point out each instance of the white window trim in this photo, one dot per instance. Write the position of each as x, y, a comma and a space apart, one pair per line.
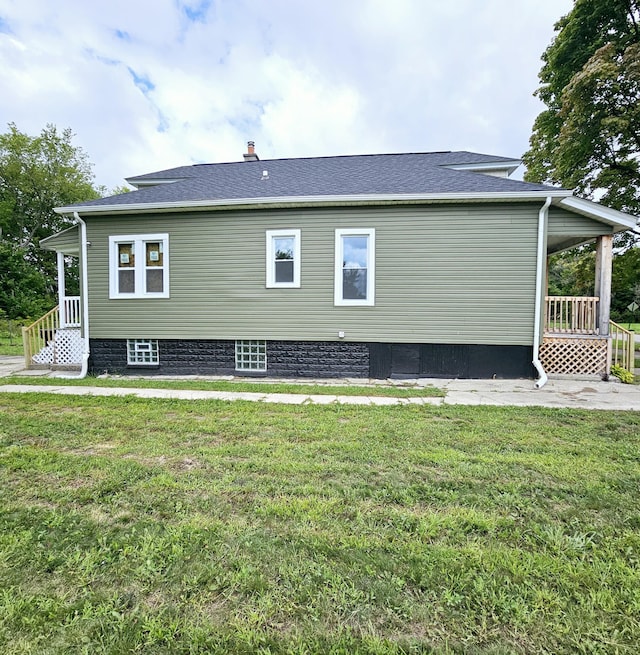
138, 241
371, 272
271, 259
133, 348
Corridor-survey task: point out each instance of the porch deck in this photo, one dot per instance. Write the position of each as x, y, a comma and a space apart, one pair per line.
576, 342
54, 340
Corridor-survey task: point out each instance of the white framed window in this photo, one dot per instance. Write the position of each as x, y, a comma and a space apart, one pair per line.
139, 266
142, 352
355, 267
251, 355
283, 258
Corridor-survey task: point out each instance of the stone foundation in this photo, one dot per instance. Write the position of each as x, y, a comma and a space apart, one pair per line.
291, 359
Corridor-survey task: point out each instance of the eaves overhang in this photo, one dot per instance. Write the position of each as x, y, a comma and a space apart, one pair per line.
313, 201
618, 220
53, 244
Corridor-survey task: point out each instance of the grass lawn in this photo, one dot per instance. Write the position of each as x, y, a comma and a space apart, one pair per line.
155, 526
630, 326
11, 341
266, 386
10, 346
11, 335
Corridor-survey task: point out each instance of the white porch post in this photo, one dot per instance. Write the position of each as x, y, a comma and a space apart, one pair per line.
62, 292
604, 262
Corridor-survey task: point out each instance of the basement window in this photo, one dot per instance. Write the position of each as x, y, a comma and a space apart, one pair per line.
251, 355
143, 352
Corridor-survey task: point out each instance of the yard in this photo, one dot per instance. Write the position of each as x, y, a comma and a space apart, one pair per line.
11, 336
131, 525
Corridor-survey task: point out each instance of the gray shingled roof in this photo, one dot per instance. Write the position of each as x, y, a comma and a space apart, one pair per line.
411, 173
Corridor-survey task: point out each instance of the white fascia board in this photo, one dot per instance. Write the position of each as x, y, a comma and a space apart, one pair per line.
509, 166
369, 199
600, 213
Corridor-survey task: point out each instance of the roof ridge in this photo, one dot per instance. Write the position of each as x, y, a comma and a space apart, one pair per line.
368, 154
185, 167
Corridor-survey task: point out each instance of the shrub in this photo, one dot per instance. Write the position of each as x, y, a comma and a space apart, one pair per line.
622, 374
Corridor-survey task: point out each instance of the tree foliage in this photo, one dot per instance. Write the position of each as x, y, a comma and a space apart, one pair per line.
588, 137
572, 273
36, 175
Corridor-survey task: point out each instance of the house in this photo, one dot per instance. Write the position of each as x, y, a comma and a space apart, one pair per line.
393, 265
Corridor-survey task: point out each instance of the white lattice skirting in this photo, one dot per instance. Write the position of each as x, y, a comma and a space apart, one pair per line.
574, 355
64, 349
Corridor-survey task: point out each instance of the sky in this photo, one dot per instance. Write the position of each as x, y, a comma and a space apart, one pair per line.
147, 85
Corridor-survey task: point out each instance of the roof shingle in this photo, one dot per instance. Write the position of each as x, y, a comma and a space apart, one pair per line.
410, 173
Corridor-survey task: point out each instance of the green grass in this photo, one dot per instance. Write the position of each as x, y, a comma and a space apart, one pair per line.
9, 346
629, 326
10, 337
394, 391
137, 526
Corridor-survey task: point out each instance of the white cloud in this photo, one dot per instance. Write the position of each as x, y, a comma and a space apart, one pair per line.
152, 84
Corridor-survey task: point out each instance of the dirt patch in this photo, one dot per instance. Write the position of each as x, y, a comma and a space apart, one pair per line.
157, 460
187, 464
184, 464
94, 449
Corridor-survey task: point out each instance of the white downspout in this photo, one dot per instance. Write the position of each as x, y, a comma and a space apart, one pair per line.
84, 292
540, 274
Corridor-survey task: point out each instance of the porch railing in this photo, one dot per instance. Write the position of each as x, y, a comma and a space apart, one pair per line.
571, 315
42, 332
37, 335
623, 347
70, 312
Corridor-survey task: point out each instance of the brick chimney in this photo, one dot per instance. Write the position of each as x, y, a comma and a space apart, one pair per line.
251, 152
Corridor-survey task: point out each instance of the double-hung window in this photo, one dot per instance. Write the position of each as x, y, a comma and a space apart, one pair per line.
139, 266
283, 258
355, 267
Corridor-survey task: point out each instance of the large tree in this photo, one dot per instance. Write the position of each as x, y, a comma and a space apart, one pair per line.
36, 175
588, 137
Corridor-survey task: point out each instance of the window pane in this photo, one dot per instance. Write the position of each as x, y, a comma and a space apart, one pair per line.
284, 271
354, 251
154, 253
283, 247
126, 281
155, 280
126, 257
354, 284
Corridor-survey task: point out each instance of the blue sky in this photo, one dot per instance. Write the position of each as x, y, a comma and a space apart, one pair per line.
151, 84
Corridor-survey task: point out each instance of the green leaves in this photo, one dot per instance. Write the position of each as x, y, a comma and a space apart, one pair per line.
588, 138
36, 175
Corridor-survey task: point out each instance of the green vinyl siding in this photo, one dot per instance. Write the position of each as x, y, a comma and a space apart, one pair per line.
564, 223
567, 230
444, 274
67, 241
